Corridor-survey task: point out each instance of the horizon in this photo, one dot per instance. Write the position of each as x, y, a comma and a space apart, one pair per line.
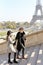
17, 10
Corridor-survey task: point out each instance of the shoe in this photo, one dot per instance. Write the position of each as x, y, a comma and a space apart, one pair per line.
15, 61
19, 58
10, 62
24, 58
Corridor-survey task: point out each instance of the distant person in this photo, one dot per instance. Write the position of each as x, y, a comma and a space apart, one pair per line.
20, 37
11, 47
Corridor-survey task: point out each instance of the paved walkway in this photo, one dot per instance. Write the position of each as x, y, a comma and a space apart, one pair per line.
34, 54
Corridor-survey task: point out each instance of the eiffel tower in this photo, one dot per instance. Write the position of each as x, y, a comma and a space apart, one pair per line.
37, 17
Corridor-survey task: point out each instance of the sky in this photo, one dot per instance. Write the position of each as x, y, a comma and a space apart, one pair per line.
17, 10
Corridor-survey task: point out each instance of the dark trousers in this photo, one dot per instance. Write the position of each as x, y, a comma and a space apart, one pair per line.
9, 57
22, 52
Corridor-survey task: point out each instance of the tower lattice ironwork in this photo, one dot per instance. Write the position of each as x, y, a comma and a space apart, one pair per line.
35, 16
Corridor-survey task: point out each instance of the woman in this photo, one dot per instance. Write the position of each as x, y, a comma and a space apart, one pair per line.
11, 47
20, 37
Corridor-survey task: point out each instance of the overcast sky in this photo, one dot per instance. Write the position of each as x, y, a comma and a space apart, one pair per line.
17, 10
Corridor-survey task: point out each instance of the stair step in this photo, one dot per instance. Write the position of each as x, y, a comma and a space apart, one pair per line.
24, 61
34, 55
40, 56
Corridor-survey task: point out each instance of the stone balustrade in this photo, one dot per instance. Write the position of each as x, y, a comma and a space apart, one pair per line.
32, 39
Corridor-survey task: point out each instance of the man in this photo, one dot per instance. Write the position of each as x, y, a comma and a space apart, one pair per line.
20, 37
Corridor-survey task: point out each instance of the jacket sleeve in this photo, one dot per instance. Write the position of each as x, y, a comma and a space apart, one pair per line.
24, 35
17, 36
11, 40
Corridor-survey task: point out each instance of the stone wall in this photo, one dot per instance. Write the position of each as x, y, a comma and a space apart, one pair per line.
32, 39
3, 47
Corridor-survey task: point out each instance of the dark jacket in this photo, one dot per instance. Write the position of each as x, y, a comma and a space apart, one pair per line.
21, 39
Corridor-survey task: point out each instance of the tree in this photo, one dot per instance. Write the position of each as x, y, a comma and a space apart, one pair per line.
11, 25
1, 25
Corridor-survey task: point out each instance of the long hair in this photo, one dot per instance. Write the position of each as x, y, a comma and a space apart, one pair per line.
8, 33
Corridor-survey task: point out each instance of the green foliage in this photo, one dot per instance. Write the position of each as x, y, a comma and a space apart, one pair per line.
3, 33
13, 25
1, 26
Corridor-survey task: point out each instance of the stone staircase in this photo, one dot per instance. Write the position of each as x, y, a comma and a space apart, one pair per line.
34, 53
33, 50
